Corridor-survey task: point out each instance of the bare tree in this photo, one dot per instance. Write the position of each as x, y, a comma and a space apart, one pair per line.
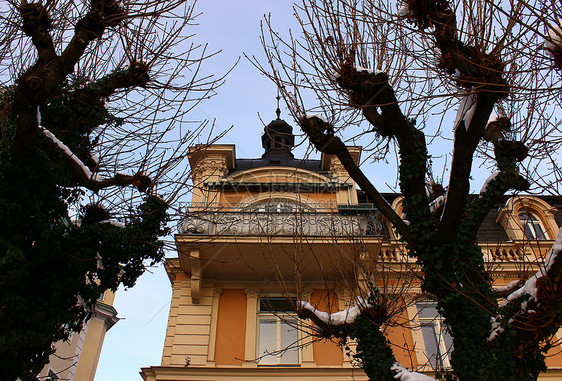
94, 103
448, 87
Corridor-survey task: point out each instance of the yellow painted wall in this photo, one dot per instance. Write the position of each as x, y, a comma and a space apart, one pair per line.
188, 325
231, 328
237, 197
402, 340
91, 350
326, 353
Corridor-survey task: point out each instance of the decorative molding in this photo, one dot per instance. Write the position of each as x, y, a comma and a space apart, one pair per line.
209, 169
337, 171
250, 342
340, 292
306, 293
217, 291
195, 277
252, 292
258, 223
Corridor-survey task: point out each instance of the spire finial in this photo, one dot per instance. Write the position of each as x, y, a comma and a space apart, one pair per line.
278, 111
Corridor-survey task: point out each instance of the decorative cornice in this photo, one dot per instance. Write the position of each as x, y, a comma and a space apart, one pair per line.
242, 374
252, 292
306, 293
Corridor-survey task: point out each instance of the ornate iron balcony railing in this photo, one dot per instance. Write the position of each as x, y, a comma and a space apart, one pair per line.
255, 220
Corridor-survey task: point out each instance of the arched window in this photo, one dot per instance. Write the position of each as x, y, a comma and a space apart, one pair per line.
532, 226
528, 218
398, 207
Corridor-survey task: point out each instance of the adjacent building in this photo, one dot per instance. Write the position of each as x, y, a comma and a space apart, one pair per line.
76, 359
261, 233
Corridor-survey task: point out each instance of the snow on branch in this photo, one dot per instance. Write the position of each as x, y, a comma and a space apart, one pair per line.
465, 111
310, 116
553, 45
506, 290
114, 223
93, 181
528, 288
488, 181
404, 374
492, 119
554, 41
63, 147
370, 71
404, 11
325, 319
437, 203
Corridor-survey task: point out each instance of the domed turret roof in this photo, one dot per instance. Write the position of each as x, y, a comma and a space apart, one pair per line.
278, 139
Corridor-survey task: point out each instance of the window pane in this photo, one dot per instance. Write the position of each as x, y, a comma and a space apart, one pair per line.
539, 233
275, 304
437, 339
531, 226
289, 337
427, 310
268, 340
446, 337
431, 344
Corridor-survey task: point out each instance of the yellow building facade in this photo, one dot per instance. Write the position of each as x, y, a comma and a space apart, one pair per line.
76, 359
261, 234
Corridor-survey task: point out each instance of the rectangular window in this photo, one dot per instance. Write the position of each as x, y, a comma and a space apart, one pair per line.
436, 337
278, 336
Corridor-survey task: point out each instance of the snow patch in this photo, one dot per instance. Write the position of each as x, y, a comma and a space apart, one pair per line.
346, 316
495, 329
529, 287
510, 286
493, 118
360, 69
437, 203
554, 40
310, 116
404, 374
404, 11
70, 154
114, 223
465, 112
487, 182
370, 71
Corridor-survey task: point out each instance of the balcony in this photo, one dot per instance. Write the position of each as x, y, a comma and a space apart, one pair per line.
281, 219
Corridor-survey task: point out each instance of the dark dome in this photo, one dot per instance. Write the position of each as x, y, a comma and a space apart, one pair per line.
278, 138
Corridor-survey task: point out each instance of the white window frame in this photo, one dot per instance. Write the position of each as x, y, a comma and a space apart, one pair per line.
282, 318
530, 222
431, 360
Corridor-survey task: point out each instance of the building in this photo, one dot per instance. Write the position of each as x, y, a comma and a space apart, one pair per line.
77, 358
262, 233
